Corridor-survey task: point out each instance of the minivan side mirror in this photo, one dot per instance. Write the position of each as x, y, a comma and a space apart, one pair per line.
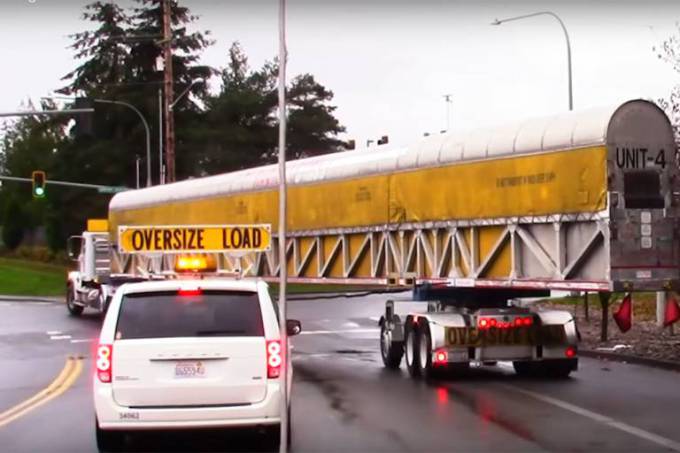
293, 327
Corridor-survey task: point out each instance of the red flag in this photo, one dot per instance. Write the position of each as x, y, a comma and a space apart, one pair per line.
624, 315
672, 312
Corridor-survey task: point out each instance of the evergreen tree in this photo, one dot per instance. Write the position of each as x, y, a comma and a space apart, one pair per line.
105, 51
312, 128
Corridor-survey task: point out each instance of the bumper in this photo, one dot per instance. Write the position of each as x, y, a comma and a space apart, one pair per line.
112, 416
495, 353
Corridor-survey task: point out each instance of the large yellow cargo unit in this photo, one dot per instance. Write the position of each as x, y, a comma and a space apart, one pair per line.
530, 205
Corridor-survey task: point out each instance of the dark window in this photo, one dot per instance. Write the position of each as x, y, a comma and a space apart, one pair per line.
642, 190
169, 314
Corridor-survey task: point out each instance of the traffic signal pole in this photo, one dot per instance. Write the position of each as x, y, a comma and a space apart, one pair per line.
101, 188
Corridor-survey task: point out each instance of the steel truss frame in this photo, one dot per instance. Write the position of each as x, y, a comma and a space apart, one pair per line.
569, 251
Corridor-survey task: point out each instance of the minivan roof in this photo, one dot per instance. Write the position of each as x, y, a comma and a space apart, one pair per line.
226, 284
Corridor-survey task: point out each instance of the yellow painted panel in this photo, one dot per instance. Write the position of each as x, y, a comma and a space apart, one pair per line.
488, 237
556, 182
97, 225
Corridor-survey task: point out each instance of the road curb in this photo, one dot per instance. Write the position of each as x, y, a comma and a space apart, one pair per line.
614, 356
9, 298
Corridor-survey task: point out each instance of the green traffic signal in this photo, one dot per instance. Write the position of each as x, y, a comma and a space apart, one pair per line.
39, 180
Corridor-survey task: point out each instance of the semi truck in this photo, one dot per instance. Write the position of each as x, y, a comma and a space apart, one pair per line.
473, 223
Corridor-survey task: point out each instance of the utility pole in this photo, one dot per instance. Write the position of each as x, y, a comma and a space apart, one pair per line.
168, 93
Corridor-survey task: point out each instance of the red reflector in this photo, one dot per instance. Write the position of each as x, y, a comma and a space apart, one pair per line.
441, 357
527, 321
190, 292
104, 359
570, 352
518, 322
273, 359
493, 322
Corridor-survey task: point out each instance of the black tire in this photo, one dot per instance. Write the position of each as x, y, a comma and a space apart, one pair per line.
390, 351
273, 437
73, 309
427, 370
411, 347
558, 369
289, 439
109, 440
525, 369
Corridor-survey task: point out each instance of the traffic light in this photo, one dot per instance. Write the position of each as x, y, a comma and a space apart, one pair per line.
39, 180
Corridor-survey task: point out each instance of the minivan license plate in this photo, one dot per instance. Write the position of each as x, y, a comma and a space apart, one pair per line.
189, 370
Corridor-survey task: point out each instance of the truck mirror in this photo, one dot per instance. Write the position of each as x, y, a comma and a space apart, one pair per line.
73, 246
293, 327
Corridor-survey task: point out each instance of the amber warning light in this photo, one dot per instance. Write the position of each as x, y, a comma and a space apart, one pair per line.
194, 238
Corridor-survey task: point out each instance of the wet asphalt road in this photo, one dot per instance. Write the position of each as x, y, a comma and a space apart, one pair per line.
343, 400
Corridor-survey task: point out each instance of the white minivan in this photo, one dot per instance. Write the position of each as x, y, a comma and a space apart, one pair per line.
199, 353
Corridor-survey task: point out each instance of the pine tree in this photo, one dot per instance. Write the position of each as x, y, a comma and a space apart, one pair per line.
104, 50
186, 51
312, 128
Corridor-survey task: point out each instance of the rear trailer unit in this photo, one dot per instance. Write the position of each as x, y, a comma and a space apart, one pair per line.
579, 201
446, 339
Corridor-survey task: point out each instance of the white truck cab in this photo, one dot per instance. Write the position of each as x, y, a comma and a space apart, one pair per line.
189, 353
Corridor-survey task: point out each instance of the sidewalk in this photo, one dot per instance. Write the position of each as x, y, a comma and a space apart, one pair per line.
10, 298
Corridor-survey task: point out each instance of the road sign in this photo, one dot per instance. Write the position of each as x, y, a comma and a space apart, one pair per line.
111, 189
194, 238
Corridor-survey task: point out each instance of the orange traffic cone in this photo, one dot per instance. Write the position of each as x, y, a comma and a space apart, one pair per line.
624, 315
672, 312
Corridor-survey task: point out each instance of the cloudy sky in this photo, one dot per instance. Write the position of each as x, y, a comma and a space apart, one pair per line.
389, 63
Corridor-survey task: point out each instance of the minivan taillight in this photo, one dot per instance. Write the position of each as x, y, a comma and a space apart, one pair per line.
104, 358
273, 359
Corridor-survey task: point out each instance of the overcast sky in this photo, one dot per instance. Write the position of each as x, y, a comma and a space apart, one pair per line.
389, 63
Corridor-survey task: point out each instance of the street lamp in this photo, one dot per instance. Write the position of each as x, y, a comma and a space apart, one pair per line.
146, 128
566, 35
141, 117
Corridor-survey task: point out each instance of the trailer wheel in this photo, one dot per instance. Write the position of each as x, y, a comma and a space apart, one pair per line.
411, 349
559, 369
525, 369
427, 370
73, 309
391, 351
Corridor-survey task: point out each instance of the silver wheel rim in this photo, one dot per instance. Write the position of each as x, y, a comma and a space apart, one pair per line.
409, 349
424, 353
386, 339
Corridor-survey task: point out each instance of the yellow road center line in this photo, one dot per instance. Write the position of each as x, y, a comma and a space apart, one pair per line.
61, 383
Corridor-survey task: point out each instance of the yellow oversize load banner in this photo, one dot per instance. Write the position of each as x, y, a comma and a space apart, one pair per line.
194, 238
516, 336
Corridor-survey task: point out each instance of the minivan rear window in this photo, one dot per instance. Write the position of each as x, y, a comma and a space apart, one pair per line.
209, 313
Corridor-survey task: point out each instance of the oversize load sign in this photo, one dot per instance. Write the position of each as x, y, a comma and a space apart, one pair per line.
194, 238
516, 336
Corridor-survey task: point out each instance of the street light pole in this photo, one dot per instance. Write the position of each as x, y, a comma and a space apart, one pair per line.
283, 262
566, 36
146, 128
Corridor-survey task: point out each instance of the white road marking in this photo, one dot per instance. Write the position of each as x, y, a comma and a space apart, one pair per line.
60, 337
374, 318
330, 332
350, 324
82, 340
53, 332
621, 426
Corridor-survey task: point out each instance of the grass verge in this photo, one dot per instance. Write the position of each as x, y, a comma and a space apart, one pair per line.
28, 278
